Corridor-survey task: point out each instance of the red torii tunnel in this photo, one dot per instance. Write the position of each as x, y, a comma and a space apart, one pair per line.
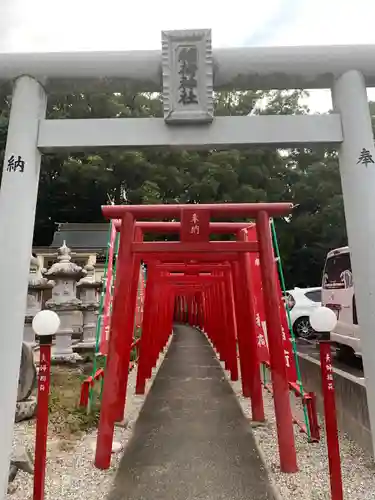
213, 281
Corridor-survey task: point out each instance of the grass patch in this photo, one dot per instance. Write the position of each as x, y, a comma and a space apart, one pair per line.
89, 362
66, 419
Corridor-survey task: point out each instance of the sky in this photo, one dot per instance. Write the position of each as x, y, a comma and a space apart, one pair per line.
39, 25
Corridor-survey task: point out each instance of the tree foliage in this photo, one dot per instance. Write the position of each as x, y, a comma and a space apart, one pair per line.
74, 186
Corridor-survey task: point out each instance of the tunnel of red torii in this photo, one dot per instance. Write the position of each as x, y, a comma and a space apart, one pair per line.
210, 285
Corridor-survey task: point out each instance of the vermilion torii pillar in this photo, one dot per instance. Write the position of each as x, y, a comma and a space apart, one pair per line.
121, 334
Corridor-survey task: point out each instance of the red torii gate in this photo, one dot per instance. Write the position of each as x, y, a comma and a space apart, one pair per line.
195, 229
225, 327
241, 230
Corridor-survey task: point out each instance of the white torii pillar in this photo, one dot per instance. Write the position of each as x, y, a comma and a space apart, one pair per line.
358, 185
18, 196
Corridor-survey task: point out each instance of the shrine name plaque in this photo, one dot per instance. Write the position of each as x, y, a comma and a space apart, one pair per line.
187, 76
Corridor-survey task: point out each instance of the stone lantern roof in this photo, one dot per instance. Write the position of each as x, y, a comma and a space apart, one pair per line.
36, 280
64, 268
88, 281
88, 285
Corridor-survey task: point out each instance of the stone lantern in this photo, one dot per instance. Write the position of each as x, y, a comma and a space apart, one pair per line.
64, 302
37, 284
88, 293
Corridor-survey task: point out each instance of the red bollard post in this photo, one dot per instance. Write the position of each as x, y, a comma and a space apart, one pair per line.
333, 446
310, 401
44, 378
45, 324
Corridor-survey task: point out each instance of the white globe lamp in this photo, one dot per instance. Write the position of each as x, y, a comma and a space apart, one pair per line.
46, 323
323, 320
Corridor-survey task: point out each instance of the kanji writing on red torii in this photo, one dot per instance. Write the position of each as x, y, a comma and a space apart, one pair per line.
195, 227
257, 320
287, 361
283, 332
261, 340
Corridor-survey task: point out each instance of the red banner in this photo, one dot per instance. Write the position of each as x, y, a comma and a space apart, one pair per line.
287, 337
106, 314
140, 298
261, 317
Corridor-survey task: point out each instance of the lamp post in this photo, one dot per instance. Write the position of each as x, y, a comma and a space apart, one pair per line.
323, 320
45, 324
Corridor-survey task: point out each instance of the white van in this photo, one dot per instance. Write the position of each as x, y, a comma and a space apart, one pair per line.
338, 294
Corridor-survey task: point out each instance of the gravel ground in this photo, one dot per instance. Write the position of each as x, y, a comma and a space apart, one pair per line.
312, 480
70, 474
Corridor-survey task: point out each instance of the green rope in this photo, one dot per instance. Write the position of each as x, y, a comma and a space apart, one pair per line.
99, 322
264, 370
282, 282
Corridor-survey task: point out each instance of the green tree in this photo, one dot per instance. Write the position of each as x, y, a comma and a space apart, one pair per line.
74, 186
318, 222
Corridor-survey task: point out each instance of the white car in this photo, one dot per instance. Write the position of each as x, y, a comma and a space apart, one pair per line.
338, 294
301, 302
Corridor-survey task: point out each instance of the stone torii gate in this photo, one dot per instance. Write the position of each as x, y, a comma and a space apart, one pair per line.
187, 70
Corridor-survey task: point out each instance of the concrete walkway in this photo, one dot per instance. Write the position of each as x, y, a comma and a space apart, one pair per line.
191, 440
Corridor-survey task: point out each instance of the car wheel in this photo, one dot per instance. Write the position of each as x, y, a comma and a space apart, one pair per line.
303, 329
